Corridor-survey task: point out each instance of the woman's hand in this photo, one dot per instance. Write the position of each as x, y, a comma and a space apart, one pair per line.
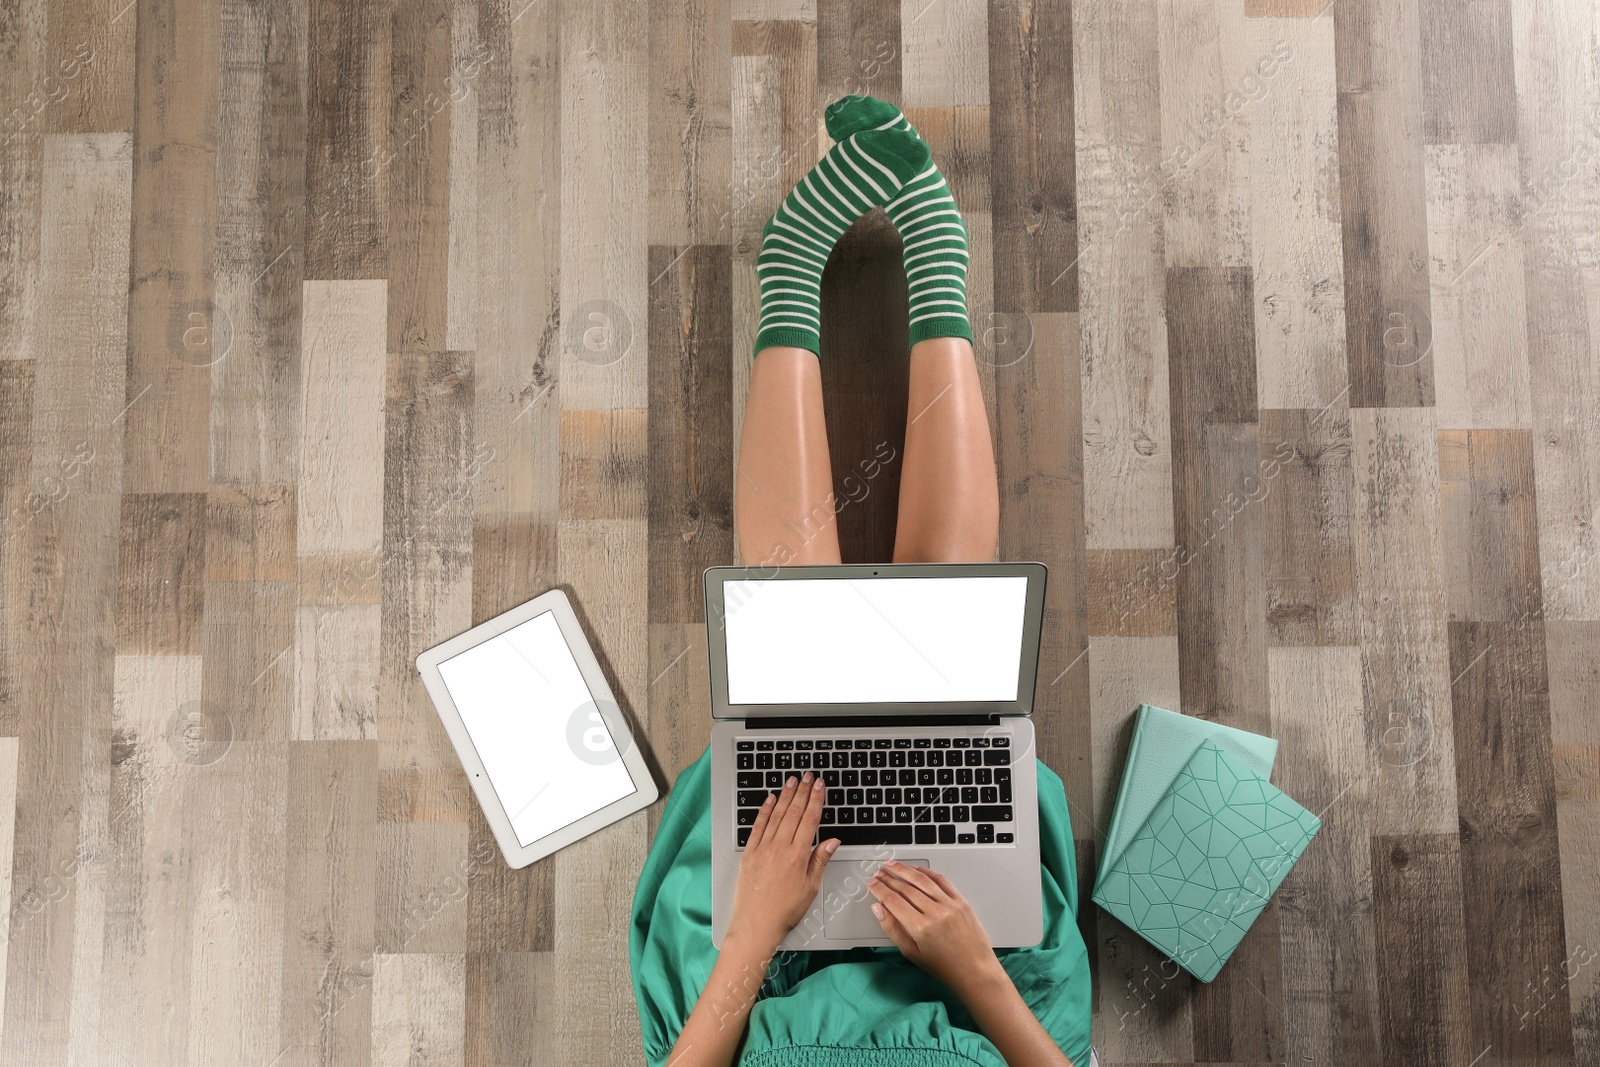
780, 872
932, 924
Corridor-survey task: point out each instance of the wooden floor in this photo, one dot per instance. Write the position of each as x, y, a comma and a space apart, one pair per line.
328, 328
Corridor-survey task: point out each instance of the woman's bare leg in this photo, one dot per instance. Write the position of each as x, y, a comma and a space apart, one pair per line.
949, 494
783, 492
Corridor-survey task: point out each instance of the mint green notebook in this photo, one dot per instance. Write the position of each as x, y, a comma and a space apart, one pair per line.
1193, 856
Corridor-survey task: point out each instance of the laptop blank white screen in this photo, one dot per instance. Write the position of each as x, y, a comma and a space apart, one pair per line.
874, 640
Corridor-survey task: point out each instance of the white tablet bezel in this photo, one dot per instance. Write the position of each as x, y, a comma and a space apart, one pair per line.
554, 602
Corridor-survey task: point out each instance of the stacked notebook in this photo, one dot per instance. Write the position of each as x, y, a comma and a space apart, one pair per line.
1199, 840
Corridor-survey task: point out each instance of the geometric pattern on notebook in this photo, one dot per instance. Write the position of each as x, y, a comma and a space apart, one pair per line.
1206, 861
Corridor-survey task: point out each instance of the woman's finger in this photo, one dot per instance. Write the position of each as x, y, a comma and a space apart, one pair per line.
898, 934
811, 818
798, 793
819, 859
917, 878
898, 906
780, 808
758, 829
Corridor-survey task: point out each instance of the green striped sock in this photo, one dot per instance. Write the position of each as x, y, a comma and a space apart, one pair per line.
935, 257
876, 154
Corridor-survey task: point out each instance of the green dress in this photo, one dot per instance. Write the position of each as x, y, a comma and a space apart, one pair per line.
864, 1006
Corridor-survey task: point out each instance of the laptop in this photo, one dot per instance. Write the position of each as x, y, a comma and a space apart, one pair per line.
908, 687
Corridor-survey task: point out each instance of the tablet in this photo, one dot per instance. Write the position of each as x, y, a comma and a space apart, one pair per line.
541, 737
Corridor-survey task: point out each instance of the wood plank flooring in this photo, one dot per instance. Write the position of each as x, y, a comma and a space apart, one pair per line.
328, 329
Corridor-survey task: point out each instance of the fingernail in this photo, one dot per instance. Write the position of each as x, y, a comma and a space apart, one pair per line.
790, 783
877, 911
832, 845
818, 784
806, 777
770, 798
891, 863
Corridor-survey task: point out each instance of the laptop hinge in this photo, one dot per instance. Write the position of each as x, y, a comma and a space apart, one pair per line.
834, 722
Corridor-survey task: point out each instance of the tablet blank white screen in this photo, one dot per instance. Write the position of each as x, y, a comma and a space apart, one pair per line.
532, 719
874, 640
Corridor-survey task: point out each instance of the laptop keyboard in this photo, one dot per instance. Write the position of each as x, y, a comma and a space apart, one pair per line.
887, 790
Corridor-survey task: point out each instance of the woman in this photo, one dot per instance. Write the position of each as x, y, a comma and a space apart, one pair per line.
942, 995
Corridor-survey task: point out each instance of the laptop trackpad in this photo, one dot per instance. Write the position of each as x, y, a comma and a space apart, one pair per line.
848, 904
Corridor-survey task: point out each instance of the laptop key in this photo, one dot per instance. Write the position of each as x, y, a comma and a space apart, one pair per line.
783, 761
922, 813
925, 776
835, 797
1002, 742
941, 742
880, 742
863, 815
947, 834
908, 777
883, 815
745, 746
969, 794
863, 742
802, 761
912, 795
747, 816
897, 758
980, 742
831, 777
841, 759
964, 776
853, 797
997, 757
869, 777
991, 813
822, 744
902, 742
1002, 776
744, 835
750, 780
1004, 839
987, 794
774, 779
983, 774
926, 833
973, 758
892, 796
951, 795
873, 835
916, 758
961, 742
880, 758
858, 759
936, 758
752, 799
945, 776
1005, 793
785, 746
763, 761
966, 839
746, 761
874, 797
985, 834
845, 815
850, 778
960, 813
941, 813
901, 814
921, 742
